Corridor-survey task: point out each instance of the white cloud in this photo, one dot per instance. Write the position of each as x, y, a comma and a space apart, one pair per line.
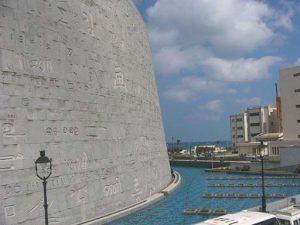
178, 94
230, 27
213, 106
231, 91
198, 84
163, 38
255, 101
284, 17
171, 60
192, 87
246, 90
201, 118
297, 62
200, 35
240, 69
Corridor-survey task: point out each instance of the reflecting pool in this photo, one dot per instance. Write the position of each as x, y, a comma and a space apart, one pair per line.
190, 195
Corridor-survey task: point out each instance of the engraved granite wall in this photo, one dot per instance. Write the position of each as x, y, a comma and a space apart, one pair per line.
76, 80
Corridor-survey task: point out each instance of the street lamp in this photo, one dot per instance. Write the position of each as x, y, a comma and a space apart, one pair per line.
43, 169
261, 147
212, 159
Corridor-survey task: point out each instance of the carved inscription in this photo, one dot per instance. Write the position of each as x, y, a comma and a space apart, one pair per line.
119, 78
25, 101
137, 191
108, 171
38, 209
11, 189
32, 81
88, 20
94, 131
8, 130
61, 131
62, 18
40, 65
79, 193
75, 93
113, 189
77, 165
9, 211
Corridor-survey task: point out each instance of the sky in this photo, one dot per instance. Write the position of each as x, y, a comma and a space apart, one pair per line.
216, 58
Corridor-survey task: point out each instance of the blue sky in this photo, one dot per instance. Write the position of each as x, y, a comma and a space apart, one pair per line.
216, 58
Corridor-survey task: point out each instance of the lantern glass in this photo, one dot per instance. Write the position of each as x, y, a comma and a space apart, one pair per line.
43, 166
43, 169
262, 149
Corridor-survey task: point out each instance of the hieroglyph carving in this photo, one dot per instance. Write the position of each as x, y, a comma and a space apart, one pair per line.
137, 191
119, 79
9, 211
77, 165
113, 189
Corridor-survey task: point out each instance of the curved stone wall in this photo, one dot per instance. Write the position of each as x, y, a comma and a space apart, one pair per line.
76, 80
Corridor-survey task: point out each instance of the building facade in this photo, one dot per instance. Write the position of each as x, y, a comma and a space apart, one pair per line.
290, 95
246, 126
239, 129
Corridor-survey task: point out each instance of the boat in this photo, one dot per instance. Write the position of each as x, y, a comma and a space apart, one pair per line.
190, 211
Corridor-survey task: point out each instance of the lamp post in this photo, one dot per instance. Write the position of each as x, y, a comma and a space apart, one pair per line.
261, 147
173, 146
43, 169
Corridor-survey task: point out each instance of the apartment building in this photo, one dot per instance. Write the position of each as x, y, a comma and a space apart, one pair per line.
262, 120
246, 126
290, 96
239, 129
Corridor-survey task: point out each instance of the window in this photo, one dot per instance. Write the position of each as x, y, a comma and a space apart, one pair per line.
254, 124
239, 120
297, 90
233, 136
297, 106
241, 136
275, 150
298, 121
299, 136
257, 113
296, 222
284, 222
297, 75
240, 128
255, 134
272, 221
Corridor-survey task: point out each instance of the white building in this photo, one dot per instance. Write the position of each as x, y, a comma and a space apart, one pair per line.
287, 150
278, 127
290, 96
262, 120
239, 129
246, 126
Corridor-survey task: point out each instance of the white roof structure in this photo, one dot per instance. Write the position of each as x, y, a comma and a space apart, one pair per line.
240, 218
289, 211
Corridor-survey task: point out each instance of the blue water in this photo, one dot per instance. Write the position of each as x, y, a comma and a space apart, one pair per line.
189, 195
